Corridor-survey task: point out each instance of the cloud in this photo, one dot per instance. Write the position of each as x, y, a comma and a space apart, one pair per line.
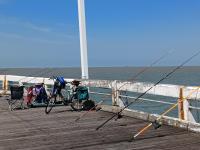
35, 27
58, 29
40, 40
23, 24
20, 29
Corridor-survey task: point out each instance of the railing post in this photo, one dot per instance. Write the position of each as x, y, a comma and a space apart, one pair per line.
180, 105
114, 93
119, 99
184, 110
116, 99
5, 85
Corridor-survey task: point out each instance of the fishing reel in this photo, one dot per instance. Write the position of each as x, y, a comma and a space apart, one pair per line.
98, 108
156, 124
119, 116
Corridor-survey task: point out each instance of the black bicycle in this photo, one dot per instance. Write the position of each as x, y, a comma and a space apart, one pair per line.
72, 94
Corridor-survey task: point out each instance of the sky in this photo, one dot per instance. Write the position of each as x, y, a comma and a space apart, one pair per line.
45, 33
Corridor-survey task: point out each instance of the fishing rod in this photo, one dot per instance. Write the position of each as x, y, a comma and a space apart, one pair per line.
138, 98
163, 114
146, 68
132, 79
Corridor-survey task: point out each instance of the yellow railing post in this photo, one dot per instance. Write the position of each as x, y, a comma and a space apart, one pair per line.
5, 85
180, 105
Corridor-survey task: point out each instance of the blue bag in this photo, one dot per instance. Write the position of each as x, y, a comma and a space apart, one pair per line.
61, 81
82, 93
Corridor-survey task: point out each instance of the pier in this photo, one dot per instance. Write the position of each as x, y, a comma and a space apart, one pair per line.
33, 129
45, 109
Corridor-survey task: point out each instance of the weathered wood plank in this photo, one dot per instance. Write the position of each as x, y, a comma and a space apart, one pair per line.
33, 129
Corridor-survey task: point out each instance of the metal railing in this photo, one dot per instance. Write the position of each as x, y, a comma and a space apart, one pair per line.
113, 94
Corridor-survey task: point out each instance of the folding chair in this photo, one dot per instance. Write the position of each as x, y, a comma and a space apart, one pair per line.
16, 99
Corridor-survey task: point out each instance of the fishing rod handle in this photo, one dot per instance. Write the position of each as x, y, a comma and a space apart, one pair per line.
142, 131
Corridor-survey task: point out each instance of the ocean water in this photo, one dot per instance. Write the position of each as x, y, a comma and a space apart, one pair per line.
189, 76
184, 76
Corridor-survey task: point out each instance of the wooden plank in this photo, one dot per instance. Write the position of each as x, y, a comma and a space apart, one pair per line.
33, 129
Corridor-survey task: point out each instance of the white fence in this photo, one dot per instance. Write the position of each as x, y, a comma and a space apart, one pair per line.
181, 93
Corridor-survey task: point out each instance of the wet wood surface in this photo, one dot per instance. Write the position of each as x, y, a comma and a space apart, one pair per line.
33, 129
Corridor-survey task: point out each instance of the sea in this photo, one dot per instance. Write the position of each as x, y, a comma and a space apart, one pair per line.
188, 76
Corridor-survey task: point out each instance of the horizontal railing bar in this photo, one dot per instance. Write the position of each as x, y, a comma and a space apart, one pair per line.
138, 87
192, 107
107, 94
145, 99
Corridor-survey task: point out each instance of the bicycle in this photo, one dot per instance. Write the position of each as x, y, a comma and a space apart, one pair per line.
74, 95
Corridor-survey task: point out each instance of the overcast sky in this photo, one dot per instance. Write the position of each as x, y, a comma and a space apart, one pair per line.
44, 33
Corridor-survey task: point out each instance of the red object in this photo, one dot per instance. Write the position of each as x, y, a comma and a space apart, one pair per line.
29, 95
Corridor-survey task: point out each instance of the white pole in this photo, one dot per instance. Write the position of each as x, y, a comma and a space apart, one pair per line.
83, 39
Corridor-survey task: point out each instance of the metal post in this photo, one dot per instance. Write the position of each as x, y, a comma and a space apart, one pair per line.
83, 39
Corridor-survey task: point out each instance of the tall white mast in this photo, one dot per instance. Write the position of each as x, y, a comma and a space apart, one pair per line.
83, 39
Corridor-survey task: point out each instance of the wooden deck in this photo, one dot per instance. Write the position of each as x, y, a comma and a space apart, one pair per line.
33, 129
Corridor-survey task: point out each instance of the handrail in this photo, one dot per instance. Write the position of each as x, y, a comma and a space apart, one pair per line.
168, 90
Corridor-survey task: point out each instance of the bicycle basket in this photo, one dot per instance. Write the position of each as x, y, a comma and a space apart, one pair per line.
82, 93
17, 92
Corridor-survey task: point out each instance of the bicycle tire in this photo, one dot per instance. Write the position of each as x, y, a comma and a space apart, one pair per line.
76, 104
66, 98
50, 105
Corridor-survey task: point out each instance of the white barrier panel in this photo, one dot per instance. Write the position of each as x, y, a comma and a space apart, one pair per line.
139, 87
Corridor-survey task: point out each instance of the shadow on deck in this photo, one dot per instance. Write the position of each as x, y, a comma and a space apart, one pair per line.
33, 129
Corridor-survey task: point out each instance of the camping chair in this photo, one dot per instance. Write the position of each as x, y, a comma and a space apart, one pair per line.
16, 98
36, 95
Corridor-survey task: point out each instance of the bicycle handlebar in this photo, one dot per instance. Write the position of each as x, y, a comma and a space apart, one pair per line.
74, 82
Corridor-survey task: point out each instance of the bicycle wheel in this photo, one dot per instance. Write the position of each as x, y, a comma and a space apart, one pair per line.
66, 97
50, 104
76, 104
